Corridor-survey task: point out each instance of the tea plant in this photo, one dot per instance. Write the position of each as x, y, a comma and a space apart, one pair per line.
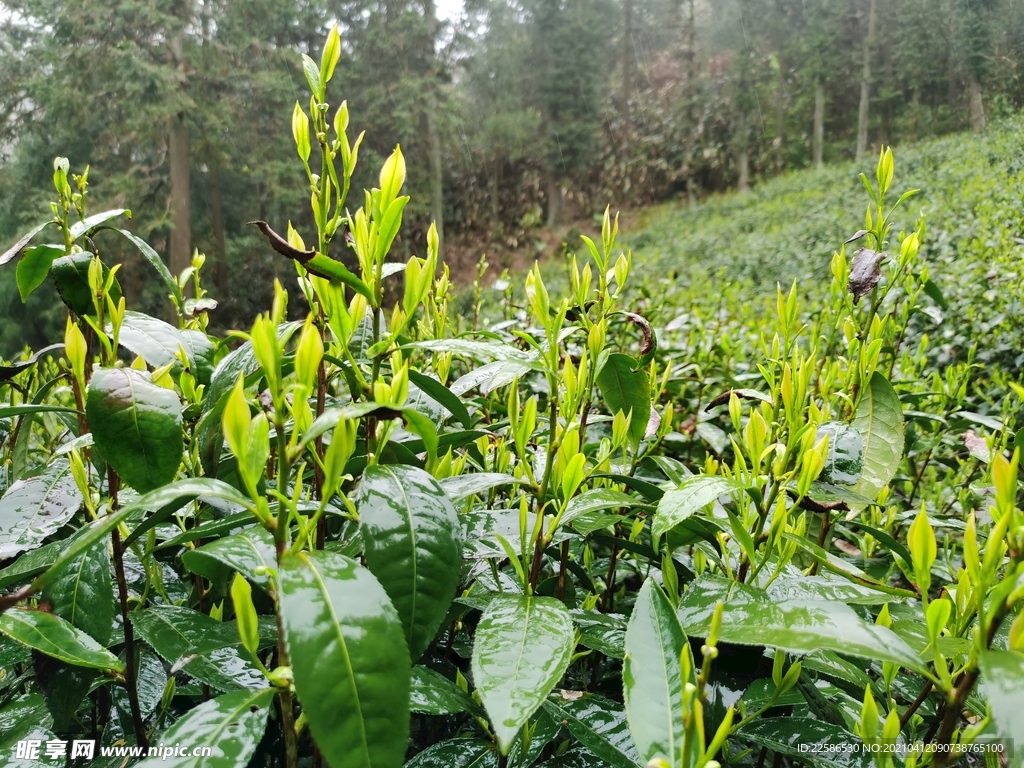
379, 534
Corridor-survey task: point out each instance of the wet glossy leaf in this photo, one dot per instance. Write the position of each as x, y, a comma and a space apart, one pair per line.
691, 495
206, 649
625, 389
463, 486
337, 617
152, 339
520, 653
604, 632
29, 564
136, 425
412, 543
596, 500
23, 241
879, 419
37, 507
845, 453
443, 396
90, 223
231, 725
56, 637
431, 693
652, 683
244, 552
21, 719
63, 687
752, 617
600, 725
457, 753
83, 594
1002, 680
8, 372
170, 284
813, 741
165, 501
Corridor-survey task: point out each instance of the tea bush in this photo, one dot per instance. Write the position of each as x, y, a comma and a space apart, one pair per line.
391, 535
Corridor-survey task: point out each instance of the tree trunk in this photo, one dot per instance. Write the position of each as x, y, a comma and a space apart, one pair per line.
628, 58
554, 191
220, 267
743, 156
977, 108
181, 234
432, 136
865, 83
818, 140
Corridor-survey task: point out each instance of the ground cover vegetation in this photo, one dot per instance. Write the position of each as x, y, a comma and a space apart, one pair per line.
565, 529
514, 115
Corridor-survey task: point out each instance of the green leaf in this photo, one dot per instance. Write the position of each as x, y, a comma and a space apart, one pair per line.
37, 507
752, 617
521, 651
34, 266
83, 594
443, 396
30, 564
596, 500
10, 411
22, 719
599, 725
231, 725
624, 389
412, 543
19, 246
136, 425
1002, 680
462, 487
158, 263
152, 339
431, 693
244, 552
337, 617
456, 753
845, 459
165, 501
70, 276
652, 683
56, 637
86, 226
693, 494
813, 741
63, 687
206, 649
879, 419
481, 351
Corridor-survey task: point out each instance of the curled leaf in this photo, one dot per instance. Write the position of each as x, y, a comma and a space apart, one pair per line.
855, 236
281, 245
865, 272
648, 344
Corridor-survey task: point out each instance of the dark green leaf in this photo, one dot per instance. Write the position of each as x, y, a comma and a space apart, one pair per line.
30, 564
231, 726
90, 223
70, 275
463, 486
431, 693
457, 753
600, 726
595, 500
845, 453
154, 259
20, 410
625, 389
693, 494
34, 266
244, 552
652, 683
412, 544
37, 507
164, 502
63, 686
808, 740
520, 653
442, 395
337, 617
19, 246
136, 425
56, 637
83, 594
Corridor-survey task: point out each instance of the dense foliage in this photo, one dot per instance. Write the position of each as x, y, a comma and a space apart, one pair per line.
387, 534
504, 111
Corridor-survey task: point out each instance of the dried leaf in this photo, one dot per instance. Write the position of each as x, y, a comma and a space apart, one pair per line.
855, 236
865, 272
977, 446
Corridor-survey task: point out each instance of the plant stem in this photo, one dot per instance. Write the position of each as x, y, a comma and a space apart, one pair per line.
131, 671
318, 446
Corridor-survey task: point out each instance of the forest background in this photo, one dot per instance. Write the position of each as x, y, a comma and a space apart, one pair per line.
519, 118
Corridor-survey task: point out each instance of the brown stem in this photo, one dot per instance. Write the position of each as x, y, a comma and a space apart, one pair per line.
826, 523
562, 566
609, 591
131, 674
318, 446
921, 698
291, 753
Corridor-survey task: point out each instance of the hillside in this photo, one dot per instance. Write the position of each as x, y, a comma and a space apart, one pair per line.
735, 248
